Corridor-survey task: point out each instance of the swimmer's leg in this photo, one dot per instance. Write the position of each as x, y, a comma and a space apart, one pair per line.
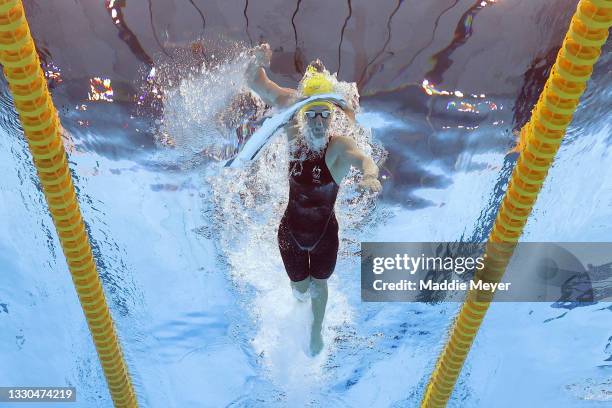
322, 265
294, 258
319, 303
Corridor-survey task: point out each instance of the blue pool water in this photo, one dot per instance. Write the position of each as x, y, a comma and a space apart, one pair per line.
188, 256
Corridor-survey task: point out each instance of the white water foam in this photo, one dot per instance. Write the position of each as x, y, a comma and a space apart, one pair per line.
247, 207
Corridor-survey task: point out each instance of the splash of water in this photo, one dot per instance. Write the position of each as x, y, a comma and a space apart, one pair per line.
246, 206
204, 104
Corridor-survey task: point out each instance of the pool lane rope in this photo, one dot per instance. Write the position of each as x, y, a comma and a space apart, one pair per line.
540, 139
42, 129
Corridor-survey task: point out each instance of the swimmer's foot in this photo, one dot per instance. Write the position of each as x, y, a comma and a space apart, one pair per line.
316, 341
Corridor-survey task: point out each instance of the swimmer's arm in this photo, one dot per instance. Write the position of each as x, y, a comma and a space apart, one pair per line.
343, 153
271, 93
258, 80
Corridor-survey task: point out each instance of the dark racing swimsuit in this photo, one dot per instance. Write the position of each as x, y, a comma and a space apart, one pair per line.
308, 232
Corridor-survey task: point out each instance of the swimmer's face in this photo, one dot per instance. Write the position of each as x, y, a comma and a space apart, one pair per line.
318, 119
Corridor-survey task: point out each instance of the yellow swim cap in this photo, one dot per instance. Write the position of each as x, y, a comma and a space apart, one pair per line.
328, 105
316, 83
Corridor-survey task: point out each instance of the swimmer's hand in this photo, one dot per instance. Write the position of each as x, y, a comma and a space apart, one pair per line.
370, 184
262, 54
260, 58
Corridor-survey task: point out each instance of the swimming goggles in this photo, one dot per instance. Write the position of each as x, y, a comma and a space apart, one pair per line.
310, 114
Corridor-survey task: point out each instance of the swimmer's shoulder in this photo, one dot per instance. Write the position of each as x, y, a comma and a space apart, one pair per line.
338, 145
341, 142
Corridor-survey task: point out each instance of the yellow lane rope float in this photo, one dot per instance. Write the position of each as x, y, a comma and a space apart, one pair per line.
42, 130
540, 140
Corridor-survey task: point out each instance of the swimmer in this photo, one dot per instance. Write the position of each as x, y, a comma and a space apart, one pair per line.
308, 231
